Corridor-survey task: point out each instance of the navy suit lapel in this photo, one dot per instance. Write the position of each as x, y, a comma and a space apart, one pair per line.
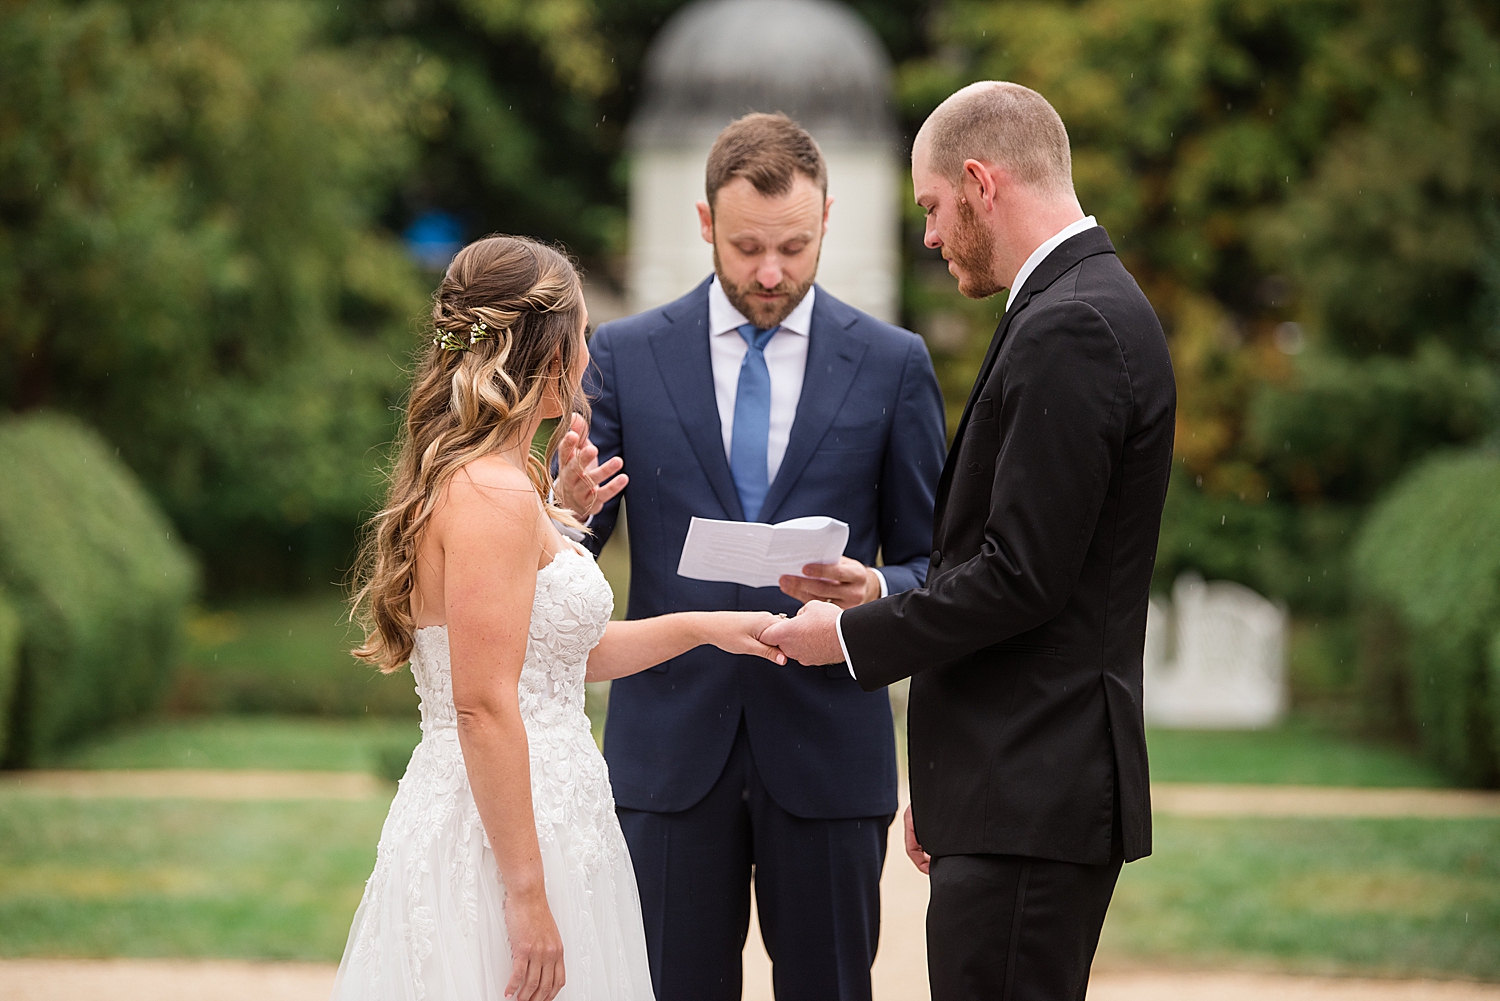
833, 357
680, 348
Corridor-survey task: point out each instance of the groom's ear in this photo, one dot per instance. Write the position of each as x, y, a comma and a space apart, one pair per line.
706, 222
980, 184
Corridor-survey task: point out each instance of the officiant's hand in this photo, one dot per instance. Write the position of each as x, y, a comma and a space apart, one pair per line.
914, 851
583, 486
846, 583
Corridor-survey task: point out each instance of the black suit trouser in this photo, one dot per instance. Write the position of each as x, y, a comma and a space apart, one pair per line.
1011, 928
817, 890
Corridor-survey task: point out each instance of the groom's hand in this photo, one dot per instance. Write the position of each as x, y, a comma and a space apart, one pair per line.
914, 851
583, 486
846, 583
811, 638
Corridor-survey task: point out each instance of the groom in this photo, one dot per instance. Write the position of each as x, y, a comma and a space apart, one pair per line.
758, 397
1027, 745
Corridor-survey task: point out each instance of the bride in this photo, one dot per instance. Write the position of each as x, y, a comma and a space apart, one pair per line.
501, 868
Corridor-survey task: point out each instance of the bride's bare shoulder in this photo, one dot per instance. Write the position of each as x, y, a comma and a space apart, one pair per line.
487, 486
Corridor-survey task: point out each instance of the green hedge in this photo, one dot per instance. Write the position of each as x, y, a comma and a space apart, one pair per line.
1427, 566
97, 580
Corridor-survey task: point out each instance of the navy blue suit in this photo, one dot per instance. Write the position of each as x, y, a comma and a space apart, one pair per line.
866, 446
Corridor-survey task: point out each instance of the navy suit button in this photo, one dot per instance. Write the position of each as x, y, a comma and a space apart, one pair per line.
937, 556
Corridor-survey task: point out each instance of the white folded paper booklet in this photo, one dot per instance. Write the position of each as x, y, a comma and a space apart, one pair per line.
756, 554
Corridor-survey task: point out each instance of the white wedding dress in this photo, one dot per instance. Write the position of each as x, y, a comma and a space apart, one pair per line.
431, 926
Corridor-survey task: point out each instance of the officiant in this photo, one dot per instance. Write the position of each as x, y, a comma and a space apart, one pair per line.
758, 396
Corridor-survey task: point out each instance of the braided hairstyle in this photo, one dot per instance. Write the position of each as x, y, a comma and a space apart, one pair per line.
505, 338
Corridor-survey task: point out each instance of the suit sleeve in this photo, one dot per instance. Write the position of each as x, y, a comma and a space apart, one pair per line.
1061, 401
604, 428
909, 474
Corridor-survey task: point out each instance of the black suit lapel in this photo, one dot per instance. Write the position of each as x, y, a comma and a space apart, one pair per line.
1063, 259
833, 357
946, 478
680, 348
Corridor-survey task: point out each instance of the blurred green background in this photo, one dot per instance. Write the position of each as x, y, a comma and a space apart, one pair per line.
207, 312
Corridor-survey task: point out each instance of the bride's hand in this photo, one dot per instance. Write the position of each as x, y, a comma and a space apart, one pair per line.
739, 632
535, 947
583, 486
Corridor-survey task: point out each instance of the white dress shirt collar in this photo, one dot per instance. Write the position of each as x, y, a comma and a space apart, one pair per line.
1040, 254
723, 318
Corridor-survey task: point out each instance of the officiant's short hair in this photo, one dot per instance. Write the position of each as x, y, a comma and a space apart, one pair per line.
768, 151
1001, 123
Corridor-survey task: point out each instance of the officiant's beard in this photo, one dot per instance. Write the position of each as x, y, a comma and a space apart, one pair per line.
970, 247
765, 315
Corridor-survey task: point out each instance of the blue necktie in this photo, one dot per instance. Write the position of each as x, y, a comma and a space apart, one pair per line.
752, 422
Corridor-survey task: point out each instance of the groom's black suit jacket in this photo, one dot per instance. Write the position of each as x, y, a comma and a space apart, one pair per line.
1025, 644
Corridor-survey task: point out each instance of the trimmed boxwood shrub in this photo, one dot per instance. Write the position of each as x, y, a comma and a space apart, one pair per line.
96, 578
1427, 568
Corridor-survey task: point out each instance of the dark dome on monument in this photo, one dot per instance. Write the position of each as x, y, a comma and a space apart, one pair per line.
815, 60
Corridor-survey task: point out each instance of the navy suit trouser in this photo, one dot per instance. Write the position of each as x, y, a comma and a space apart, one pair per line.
817, 889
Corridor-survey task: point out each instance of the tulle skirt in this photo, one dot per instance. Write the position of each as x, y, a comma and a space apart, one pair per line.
431, 925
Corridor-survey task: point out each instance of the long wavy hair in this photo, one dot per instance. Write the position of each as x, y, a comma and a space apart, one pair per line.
474, 391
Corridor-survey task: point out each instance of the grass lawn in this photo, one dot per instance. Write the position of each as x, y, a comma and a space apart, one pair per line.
1295, 753
1381, 897
297, 743
179, 878
262, 742
281, 880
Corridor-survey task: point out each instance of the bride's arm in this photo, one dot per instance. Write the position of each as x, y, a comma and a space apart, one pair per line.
629, 647
491, 540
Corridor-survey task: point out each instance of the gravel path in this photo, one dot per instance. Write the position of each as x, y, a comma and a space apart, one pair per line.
222, 980
196, 783
1185, 800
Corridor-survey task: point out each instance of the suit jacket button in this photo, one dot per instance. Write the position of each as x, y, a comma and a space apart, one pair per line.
937, 556
975, 467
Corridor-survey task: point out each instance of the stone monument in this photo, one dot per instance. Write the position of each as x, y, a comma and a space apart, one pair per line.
1228, 668
814, 60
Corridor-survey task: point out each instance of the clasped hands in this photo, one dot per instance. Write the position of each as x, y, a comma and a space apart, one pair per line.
584, 485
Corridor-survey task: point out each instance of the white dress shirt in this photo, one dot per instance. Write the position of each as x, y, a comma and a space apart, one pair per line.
1040, 254
786, 360
1037, 257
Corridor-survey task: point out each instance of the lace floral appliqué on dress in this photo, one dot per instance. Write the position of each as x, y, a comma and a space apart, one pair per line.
431, 926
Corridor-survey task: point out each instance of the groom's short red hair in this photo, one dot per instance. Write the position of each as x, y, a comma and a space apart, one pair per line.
1003, 123
768, 151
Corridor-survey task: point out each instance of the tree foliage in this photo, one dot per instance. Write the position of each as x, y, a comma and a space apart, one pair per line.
1307, 192
198, 209
187, 254
528, 131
